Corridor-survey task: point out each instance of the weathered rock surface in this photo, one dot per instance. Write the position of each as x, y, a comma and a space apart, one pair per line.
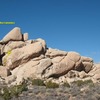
54, 53
87, 63
25, 36
13, 45
32, 58
13, 35
22, 55
1, 49
4, 72
74, 56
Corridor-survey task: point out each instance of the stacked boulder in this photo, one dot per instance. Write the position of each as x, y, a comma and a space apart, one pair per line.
21, 58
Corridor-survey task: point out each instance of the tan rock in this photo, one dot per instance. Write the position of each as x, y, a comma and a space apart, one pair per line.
22, 55
29, 41
97, 77
10, 79
25, 71
54, 52
44, 64
74, 56
58, 69
38, 58
95, 70
1, 49
87, 66
42, 42
72, 74
13, 45
57, 59
13, 35
25, 36
64, 79
79, 66
82, 74
4, 72
32, 69
86, 59
95, 73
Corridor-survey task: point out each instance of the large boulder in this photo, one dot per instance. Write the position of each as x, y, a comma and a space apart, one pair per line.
43, 43
57, 59
87, 63
13, 35
25, 71
87, 66
43, 65
74, 56
21, 55
32, 69
13, 45
95, 73
86, 59
63, 62
58, 69
55, 52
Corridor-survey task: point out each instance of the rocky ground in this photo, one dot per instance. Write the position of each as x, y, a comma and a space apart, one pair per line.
62, 93
75, 91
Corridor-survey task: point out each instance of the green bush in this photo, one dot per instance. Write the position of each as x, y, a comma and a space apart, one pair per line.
66, 84
86, 82
80, 83
52, 85
18, 89
6, 94
9, 92
38, 82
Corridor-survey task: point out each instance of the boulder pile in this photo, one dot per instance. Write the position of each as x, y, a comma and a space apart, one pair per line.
21, 59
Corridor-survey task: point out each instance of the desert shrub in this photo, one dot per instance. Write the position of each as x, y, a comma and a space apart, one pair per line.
6, 94
51, 84
18, 89
66, 84
9, 92
80, 82
38, 82
88, 81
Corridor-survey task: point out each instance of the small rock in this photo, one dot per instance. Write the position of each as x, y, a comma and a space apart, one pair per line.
4, 72
25, 36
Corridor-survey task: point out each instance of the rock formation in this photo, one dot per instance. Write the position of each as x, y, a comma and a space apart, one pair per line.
21, 58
